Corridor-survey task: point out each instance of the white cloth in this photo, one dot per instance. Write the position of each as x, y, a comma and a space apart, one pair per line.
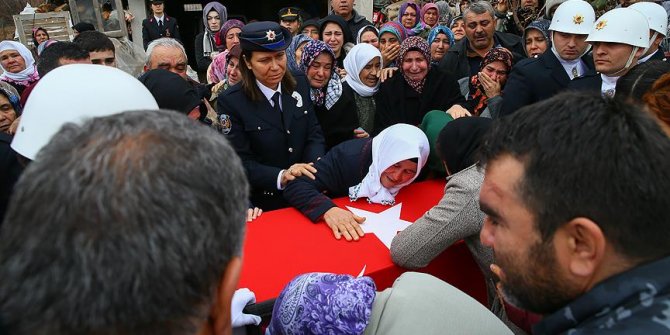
359, 56
394, 144
28, 72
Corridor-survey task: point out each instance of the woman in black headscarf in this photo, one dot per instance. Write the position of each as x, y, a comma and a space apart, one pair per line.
335, 32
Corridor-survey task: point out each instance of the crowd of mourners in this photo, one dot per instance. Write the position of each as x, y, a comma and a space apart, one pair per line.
123, 199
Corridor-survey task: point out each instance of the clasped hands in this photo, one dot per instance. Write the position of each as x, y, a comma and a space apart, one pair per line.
297, 170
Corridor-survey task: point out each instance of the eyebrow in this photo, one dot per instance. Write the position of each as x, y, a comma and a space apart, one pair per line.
488, 210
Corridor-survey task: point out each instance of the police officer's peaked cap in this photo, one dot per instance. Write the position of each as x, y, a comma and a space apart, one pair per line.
264, 36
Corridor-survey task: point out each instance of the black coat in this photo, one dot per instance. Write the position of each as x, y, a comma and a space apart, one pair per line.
397, 102
456, 60
339, 122
344, 166
267, 145
10, 171
590, 83
151, 32
201, 59
536, 79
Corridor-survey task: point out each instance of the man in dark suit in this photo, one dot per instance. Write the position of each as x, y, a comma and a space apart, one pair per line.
619, 39
535, 79
159, 25
464, 58
658, 29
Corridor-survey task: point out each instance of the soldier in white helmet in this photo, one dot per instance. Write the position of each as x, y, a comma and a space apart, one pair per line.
619, 38
658, 28
535, 79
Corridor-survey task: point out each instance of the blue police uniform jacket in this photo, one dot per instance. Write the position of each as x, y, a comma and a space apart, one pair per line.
267, 141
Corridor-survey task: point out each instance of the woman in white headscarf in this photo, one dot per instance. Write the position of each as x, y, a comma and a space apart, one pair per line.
375, 169
18, 65
363, 63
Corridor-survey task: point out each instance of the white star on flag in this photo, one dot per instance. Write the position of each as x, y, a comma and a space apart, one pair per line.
385, 224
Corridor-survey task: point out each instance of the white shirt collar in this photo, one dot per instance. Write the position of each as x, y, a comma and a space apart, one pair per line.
268, 92
161, 18
568, 65
608, 84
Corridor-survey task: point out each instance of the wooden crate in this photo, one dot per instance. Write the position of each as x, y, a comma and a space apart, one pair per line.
57, 24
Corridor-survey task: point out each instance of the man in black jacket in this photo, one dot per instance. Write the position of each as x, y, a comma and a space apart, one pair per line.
159, 24
345, 9
540, 78
464, 58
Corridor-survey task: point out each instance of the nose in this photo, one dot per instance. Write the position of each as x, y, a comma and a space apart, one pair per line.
487, 234
236, 40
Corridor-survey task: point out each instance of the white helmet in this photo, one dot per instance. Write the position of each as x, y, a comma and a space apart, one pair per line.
621, 25
655, 14
573, 17
100, 91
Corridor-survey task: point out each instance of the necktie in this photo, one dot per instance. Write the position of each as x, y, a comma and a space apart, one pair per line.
277, 107
575, 73
160, 26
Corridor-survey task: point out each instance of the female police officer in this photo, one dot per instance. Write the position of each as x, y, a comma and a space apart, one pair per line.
268, 118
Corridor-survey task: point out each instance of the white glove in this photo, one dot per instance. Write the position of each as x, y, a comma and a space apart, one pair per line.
241, 298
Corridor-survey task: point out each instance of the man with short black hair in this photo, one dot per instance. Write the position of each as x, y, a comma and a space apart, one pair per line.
100, 47
464, 58
575, 193
57, 54
148, 240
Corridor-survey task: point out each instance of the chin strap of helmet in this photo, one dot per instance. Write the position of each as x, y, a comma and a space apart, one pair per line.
628, 63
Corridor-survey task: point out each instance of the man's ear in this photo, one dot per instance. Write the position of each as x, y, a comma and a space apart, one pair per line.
220, 314
580, 244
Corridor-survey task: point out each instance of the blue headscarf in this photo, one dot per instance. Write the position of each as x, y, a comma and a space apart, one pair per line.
290, 51
439, 29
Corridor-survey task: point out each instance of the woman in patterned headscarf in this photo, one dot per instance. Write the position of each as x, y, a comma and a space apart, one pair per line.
419, 88
485, 88
391, 34
430, 14
10, 108
336, 112
409, 17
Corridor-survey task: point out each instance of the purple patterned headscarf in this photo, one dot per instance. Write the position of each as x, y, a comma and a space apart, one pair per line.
419, 26
230, 24
323, 303
414, 43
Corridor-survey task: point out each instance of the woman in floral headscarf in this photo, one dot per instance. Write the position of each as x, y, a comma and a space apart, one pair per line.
409, 17
10, 108
336, 113
419, 88
485, 88
391, 34
224, 71
18, 65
